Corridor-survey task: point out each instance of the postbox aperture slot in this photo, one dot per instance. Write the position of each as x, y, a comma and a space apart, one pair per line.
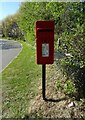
44, 30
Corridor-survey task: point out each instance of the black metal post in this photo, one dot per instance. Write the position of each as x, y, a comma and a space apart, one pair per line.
43, 81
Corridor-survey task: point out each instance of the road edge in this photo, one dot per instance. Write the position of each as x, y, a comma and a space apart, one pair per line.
13, 58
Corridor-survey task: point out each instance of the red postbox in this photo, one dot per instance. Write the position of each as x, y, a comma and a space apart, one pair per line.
45, 42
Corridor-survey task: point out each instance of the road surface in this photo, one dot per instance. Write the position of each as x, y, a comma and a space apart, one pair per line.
9, 49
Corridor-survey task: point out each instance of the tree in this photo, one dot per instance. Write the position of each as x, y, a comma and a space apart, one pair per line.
10, 27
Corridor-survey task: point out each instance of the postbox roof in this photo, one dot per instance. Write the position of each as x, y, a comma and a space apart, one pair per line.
45, 24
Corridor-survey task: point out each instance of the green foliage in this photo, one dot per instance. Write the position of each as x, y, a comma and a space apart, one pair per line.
82, 100
10, 27
29, 13
69, 87
58, 84
69, 24
83, 116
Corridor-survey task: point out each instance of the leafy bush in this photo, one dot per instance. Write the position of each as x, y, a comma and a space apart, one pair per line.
69, 87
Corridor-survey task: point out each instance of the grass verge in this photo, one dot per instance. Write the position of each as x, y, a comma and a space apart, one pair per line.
19, 83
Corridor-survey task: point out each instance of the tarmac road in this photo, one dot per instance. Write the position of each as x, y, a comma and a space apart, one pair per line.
9, 49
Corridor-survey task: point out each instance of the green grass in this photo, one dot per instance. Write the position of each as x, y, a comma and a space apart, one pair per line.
19, 83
